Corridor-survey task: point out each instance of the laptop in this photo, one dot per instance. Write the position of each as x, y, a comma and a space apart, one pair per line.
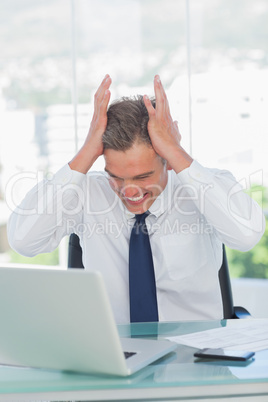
62, 320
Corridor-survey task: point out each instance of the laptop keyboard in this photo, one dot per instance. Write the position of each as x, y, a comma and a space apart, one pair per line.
129, 354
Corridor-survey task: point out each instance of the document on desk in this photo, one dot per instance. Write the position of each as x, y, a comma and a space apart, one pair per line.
248, 334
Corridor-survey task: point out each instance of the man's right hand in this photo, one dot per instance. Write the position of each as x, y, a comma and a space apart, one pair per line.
93, 147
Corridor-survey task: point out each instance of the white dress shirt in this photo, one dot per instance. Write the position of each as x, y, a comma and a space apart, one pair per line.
199, 209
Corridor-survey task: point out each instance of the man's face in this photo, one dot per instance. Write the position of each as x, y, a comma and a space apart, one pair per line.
137, 176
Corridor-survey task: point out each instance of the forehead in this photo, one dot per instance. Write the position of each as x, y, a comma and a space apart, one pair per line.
139, 159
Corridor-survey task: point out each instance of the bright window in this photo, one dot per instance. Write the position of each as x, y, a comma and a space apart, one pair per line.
211, 56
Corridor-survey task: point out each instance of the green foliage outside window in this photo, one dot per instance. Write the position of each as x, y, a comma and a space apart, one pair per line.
250, 264
40, 259
253, 263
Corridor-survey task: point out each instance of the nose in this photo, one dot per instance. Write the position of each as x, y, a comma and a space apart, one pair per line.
130, 190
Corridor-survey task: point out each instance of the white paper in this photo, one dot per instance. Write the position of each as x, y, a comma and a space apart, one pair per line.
248, 334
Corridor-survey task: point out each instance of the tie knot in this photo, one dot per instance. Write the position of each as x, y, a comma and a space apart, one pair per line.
140, 218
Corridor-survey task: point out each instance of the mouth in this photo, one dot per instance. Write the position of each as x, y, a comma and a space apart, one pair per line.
136, 200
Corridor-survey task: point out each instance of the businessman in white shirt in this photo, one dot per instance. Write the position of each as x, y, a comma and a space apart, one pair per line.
192, 209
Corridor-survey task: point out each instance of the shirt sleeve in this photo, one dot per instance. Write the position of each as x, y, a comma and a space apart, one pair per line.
236, 218
49, 211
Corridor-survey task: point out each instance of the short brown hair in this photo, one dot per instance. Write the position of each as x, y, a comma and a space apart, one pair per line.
127, 123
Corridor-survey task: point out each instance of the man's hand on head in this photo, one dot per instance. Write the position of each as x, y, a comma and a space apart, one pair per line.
164, 132
93, 147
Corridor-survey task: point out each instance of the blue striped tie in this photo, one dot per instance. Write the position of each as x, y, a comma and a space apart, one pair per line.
142, 289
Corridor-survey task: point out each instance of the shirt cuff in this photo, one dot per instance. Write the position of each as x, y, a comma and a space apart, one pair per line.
68, 176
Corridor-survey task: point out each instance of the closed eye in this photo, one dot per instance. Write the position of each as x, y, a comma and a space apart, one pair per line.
138, 177
143, 176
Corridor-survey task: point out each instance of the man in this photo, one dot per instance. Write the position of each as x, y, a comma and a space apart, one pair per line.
192, 209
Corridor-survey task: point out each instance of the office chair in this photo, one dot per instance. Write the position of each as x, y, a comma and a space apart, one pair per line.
229, 310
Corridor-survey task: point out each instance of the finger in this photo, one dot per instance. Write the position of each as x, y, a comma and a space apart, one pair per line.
105, 84
102, 88
159, 82
160, 95
149, 106
104, 104
164, 95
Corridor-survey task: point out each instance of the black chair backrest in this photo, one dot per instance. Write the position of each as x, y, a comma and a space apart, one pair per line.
74, 252
226, 289
229, 311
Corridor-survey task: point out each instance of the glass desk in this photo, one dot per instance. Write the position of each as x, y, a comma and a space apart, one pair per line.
175, 377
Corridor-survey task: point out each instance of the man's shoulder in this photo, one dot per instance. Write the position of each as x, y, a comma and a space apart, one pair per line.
97, 174
173, 178
97, 178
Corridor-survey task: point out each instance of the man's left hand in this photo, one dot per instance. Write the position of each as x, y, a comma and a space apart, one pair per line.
164, 132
